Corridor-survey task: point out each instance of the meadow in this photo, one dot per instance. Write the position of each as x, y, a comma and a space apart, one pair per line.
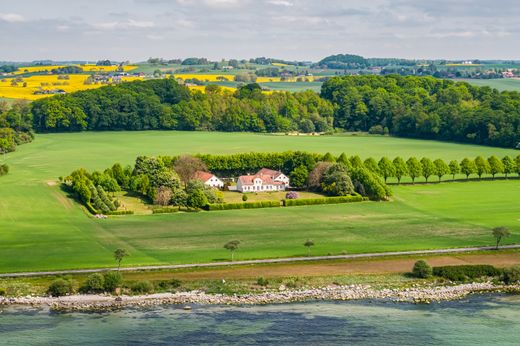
512, 84
40, 228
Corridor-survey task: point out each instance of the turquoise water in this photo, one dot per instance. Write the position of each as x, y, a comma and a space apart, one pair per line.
478, 320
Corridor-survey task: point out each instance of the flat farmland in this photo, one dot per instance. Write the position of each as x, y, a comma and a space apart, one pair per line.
41, 229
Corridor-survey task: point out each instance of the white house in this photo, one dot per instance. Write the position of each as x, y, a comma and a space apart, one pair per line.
209, 179
264, 180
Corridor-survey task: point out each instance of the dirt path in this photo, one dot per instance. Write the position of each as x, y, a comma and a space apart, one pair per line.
282, 260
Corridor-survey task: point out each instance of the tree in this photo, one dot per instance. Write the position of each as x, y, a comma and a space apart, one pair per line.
371, 165
299, 176
386, 168
186, 166
482, 166
414, 168
499, 233
454, 168
428, 168
441, 168
422, 270
517, 164
467, 167
197, 199
119, 254
328, 157
509, 165
316, 175
308, 244
495, 166
232, 246
336, 181
343, 159
400, 168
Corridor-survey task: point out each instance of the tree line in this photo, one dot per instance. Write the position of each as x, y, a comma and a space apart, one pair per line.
425, 107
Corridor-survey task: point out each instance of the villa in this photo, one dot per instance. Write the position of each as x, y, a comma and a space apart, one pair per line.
264, 180
209, 179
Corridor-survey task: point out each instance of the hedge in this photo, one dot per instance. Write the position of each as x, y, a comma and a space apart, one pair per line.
247, 205
121, 212
327, 200
464, 272
165, 210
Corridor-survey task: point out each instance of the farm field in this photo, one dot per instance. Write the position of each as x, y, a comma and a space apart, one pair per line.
43, 229
500, 84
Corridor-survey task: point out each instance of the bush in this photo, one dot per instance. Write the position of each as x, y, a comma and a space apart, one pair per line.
113, 280
465, 272
121, 212
175, 283
95, 283
60, 287
165, 210
421, 269
325, 200
142, 287
262, 282
511, 275
4, 169
292, 195
245, 205
244, 197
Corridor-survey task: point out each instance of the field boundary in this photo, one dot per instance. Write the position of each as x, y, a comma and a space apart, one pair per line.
263, 261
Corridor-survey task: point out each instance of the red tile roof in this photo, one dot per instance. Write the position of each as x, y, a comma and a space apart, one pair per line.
266, 175
203, 176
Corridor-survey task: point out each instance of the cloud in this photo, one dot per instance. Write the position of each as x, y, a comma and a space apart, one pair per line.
11, 17
281, 3
130, 23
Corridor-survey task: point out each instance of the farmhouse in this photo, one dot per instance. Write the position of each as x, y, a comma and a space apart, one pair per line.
209, 179
264, 180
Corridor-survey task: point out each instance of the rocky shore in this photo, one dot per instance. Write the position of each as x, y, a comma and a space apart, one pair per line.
282, 295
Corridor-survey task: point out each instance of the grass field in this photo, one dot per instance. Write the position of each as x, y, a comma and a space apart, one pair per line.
41, 229
500, 84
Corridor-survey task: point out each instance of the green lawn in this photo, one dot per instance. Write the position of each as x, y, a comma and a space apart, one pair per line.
42, 229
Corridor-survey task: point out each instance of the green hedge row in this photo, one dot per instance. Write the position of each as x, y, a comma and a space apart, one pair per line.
327, 200
121, 212
165, 210
246, 205
464, 272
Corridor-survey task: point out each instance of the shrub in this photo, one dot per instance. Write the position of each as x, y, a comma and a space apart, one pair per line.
121, 212
142, 287
165, 210
511, 275
465, 272
4, 169
325, 200
175, 283
95, 283
113, 280
292, 195
60, 287
421, 269
262, 282
244, 197
245, 205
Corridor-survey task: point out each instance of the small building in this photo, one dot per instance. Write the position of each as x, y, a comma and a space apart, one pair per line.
209, 179
264, 180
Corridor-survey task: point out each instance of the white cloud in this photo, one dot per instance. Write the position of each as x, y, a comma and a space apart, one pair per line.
281, 3
130, 23
11, 17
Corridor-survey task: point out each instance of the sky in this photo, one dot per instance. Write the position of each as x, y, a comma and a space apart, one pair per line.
305, 30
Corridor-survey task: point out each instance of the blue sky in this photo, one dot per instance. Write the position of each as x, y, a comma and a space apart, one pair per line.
289, 29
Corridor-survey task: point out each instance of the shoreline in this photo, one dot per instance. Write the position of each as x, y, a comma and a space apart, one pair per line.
417, 295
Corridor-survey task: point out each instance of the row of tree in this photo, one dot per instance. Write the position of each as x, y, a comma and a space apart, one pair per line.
425, 107
15, 125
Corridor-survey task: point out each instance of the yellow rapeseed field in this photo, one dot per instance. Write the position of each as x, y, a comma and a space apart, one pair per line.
86, 68
34, 83
204, 77
279, 64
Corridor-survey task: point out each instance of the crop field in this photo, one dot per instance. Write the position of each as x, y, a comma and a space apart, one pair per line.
75, 82
501, 84
43, 229
85, 67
